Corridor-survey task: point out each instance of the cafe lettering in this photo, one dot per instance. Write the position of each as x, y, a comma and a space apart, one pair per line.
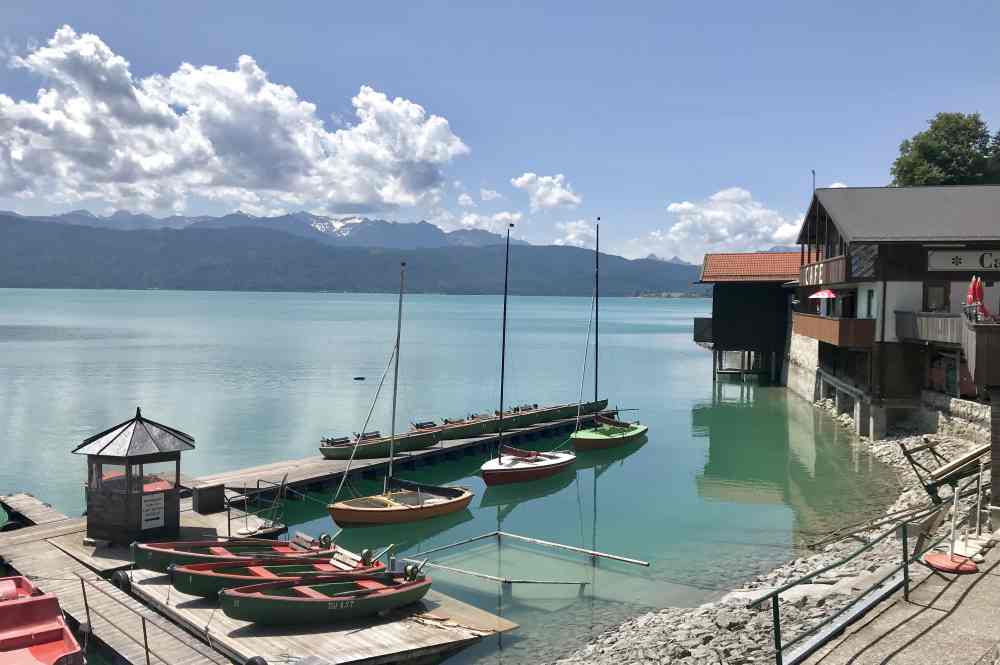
971, 260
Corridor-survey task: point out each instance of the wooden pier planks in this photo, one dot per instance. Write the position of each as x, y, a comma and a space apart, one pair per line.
33, 509
441, 625
116, 618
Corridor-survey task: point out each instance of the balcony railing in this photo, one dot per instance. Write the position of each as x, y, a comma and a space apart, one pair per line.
929, 327
979, 341
703, 330
829, 271
856, 333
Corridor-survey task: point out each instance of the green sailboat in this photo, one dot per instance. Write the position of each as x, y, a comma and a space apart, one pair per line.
608, 430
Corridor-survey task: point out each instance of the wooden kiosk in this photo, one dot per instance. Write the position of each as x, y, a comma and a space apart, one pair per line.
133, 481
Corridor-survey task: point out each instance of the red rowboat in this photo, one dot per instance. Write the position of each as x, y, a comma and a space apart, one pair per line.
32, 628
515, 465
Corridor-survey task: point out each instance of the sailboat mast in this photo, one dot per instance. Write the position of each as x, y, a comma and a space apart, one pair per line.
597, 297
395, 374
503, 339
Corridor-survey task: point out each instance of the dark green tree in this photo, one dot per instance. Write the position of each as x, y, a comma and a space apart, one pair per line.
956, 149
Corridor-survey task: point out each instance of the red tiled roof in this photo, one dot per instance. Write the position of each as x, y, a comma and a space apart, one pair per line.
751, 267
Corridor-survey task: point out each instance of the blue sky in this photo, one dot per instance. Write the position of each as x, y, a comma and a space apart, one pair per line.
688, 127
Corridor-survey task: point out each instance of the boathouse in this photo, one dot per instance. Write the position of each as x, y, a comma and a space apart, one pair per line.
748, 329
881, 319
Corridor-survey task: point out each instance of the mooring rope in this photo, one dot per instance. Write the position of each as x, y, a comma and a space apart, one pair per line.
364, 427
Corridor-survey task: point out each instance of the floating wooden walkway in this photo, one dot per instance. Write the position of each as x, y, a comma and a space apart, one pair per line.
438, 625
32, 509
116, 619
311, 471
55, 555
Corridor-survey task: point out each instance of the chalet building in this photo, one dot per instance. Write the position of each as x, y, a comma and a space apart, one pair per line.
879, 313
748, 329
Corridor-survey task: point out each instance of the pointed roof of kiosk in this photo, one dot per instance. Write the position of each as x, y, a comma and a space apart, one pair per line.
136, 436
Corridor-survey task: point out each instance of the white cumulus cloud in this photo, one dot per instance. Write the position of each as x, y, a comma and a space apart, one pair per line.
495, 223
466, 201
98, 133
837, 185
730, 220
579, 233
547, 191
489, 194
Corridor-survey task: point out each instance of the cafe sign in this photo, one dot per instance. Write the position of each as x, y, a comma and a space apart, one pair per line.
964, 260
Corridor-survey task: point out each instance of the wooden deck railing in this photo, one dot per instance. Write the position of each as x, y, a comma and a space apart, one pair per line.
979, 341
857, 333
829, 271
929, 327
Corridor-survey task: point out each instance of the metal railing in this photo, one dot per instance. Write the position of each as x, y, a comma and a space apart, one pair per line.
871, 595
274, 511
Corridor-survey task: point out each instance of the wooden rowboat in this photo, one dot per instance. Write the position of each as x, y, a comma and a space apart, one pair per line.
159, 556
322, 600
403, 501
607, 433
32, 628
208, 579
377, 447
515, 465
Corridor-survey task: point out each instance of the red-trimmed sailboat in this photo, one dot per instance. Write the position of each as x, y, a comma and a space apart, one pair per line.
514, 465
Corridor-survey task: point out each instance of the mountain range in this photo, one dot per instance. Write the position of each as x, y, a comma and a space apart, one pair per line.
342, 232
217, 254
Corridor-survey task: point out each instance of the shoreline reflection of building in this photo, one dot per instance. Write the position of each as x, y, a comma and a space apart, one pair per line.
768, 449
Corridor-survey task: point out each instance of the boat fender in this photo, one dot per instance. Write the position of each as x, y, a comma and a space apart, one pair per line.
325, 540
367, 557
121, 580
256, 660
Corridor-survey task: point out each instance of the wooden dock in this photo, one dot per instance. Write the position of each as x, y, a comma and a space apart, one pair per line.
32, 509
436, 626
318, 471
55, 555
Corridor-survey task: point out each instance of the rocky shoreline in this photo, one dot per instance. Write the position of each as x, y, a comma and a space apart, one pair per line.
728, 632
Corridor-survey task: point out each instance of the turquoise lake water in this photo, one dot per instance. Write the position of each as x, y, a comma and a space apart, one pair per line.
731, 479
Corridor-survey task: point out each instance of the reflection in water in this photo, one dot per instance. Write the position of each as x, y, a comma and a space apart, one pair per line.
779, 460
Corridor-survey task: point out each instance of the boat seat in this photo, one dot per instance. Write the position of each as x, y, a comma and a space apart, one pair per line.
26, 636
220, 551
310, 593
8, 590
261, 571
370, 585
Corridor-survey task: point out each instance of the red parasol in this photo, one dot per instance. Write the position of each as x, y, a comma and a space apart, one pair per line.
824, 294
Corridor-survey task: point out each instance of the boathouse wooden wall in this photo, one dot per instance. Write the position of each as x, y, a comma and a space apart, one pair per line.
749, 317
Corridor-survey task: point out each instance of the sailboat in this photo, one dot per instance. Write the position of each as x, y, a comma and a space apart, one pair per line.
514, 465
608, 431
400, 500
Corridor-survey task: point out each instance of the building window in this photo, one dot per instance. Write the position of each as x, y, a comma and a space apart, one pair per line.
870, 303
936, 296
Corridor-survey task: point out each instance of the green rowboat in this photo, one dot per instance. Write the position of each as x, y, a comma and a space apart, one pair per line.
322, 600
159, 556
377, 447
208, 579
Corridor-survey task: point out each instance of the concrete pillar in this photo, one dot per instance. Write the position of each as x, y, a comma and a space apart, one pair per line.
861, 417
839, 398
876, 421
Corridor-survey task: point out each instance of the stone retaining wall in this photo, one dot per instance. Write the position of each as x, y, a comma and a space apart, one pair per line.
951, 416
801, 364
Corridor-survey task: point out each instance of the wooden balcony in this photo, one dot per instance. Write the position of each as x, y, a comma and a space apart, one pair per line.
853, 333
830, 271
979, 341
929, 327
703, 330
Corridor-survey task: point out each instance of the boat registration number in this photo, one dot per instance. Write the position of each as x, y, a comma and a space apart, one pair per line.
340, 604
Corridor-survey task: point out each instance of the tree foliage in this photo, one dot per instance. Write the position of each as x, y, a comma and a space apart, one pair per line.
956, 149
